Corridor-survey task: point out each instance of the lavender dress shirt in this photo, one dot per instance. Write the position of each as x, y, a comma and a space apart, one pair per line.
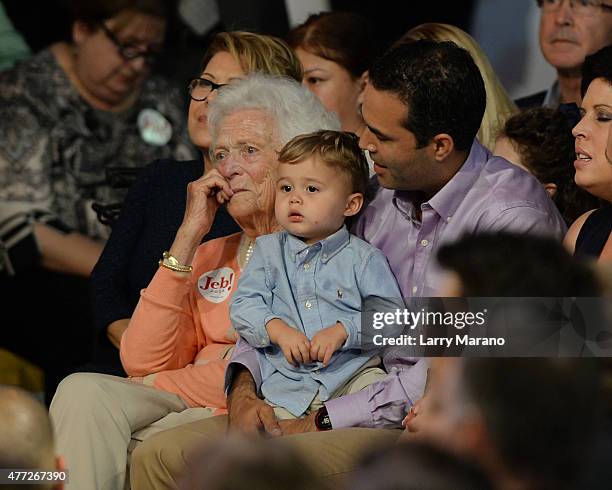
487, 194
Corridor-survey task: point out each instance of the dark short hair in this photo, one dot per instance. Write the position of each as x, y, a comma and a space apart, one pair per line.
597, 65
345, 38
542, 415
441, 86
416, 465
93, 12
508, 264
337, 149
543, 139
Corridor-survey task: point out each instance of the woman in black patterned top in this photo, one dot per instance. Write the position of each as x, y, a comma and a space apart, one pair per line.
67, 114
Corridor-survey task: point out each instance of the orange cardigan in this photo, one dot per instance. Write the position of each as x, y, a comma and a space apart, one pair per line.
181, 331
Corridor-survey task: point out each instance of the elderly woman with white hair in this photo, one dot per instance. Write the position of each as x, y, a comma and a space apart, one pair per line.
180, 336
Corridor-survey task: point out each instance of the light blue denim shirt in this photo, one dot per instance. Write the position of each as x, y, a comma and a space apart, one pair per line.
310, 287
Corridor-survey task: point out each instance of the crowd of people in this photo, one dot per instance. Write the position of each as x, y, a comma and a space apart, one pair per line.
213, 332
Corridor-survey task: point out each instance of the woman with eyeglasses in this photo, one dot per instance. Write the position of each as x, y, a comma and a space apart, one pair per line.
155, 204
67, 114
591, 234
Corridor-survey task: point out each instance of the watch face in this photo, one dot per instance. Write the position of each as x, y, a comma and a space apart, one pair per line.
322, 420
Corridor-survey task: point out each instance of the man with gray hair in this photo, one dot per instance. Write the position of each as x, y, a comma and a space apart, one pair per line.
180, 336
26, 437
569, 32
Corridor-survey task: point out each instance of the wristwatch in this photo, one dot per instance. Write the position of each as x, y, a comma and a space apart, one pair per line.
322, 421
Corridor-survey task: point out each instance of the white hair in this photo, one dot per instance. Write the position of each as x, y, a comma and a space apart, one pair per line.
293, 107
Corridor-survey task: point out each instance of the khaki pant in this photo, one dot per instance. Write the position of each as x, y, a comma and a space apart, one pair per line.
98, 419
160, 462
369, 373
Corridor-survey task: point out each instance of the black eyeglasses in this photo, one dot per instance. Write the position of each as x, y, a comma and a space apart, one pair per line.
130, 51
200, 88
586, 8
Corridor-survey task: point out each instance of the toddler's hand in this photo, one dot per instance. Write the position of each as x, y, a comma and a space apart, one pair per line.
294, 344
326, 342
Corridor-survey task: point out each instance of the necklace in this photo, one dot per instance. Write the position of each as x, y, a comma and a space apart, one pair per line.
245, 251
248, 254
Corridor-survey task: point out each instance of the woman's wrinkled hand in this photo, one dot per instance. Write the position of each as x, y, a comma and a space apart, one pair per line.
204, 196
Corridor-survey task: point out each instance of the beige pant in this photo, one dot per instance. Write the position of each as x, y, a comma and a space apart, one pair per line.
99, 418
369, 373
160, 461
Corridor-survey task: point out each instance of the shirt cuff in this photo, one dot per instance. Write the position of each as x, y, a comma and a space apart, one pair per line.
244, 355
350, 411
353, 340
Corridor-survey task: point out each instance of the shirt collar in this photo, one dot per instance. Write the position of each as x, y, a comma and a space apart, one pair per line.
404, 201
447, 199
552, 98
328, 247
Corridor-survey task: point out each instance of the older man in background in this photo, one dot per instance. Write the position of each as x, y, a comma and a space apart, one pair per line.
569, 32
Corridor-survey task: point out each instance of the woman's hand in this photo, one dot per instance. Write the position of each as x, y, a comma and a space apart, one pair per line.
115, 331
294, 344
203, 199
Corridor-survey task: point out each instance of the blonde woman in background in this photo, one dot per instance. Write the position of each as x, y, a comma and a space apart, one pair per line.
499, 105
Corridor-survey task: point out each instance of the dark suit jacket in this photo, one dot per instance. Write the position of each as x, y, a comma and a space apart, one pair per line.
530, 101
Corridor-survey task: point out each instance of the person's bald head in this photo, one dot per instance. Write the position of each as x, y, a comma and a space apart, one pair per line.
26, 435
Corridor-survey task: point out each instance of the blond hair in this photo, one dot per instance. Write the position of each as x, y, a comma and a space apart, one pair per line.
335, 148
500, 106
256, 53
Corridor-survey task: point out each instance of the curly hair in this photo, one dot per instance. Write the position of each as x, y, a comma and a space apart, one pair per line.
543, 139
93, 12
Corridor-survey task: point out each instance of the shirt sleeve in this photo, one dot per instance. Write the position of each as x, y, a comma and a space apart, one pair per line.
383, 404
250, 307
26, 191
244, 355
379, 292
528, 219
163, 313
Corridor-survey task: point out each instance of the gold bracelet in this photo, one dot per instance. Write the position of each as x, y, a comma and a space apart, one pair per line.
170, 262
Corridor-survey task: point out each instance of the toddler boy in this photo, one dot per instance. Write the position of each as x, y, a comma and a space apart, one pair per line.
300, 298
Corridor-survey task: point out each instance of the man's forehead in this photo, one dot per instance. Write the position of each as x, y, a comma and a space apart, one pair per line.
382, 109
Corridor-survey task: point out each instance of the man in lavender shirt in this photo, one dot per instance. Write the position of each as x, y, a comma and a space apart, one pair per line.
423, 105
